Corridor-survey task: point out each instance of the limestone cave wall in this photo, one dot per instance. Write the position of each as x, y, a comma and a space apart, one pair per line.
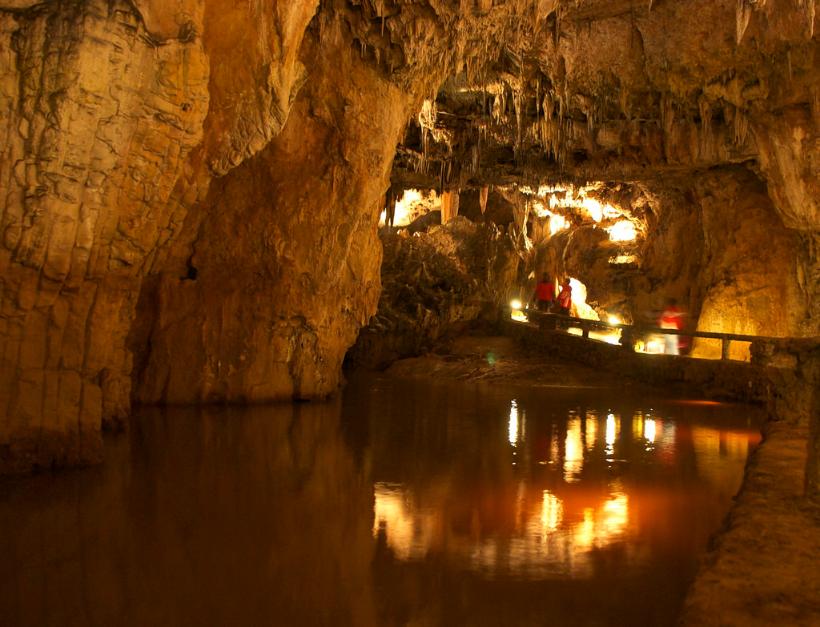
437, 283
98, 123
715, 242
272, 318
117, 118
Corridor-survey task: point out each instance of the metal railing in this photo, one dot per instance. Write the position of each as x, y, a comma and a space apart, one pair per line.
630, 334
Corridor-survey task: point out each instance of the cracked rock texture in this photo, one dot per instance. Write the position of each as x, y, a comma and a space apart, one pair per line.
114, 122
97, 125
273, 318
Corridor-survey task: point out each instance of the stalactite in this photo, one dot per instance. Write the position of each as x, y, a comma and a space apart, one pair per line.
743, 15
667, 116
483, 197
705, 111
741, 127
517, 104
450, 201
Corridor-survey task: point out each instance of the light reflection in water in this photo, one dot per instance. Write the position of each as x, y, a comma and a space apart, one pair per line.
637, 426
552, 511
532, 531
613, 429
512, 426
591, 429
649, 430
409, 533
573, 451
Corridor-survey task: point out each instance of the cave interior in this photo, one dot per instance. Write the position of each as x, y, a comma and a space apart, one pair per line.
214, 201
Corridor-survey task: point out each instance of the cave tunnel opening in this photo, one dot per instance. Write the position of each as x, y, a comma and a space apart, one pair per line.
627, 248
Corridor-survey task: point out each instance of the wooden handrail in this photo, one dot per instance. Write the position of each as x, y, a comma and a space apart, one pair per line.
599, 324
630, 332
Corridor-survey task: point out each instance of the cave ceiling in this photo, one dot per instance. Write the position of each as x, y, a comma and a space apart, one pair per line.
590, 90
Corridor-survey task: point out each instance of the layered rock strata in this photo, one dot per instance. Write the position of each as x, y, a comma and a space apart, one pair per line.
98, 122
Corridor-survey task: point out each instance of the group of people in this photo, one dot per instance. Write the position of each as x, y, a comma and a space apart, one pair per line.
545, 299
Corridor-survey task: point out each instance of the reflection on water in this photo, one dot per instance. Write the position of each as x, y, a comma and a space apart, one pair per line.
399, 504
554, 532
562, 499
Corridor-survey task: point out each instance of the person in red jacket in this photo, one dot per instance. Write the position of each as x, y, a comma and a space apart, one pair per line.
671, 318
565, 298
544, 294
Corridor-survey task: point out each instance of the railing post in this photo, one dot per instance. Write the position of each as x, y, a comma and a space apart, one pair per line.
724, 348
627, 339
585, 330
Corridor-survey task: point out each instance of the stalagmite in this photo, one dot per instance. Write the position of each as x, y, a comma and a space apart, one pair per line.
449, 205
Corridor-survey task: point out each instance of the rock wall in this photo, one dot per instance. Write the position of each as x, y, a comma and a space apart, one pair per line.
437, 283
114, 122
286, 253
749, 275
97, 124
714, 241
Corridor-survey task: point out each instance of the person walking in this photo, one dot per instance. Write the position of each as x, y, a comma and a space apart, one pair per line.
544, 295
564, 301
671, 318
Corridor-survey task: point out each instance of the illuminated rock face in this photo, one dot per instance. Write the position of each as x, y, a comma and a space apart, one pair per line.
246, 146
286, 255
715, 243
98, 125
112, 128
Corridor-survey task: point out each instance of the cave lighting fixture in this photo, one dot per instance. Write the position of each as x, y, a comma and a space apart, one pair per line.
516, 311
653, 345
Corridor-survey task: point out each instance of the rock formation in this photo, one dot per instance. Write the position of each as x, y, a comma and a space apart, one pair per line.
435, 285
191, 188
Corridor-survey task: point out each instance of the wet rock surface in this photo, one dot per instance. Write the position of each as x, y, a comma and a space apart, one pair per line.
762, 570
502, 359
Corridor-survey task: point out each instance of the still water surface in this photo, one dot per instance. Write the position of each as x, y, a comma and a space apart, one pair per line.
401, 503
